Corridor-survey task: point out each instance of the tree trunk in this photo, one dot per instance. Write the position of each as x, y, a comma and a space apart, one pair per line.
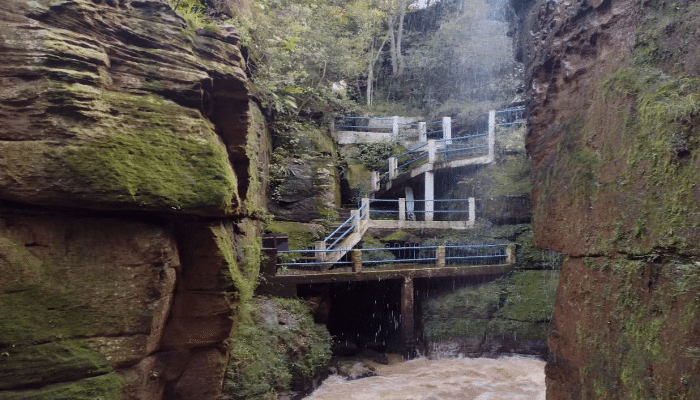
370, 79
370, 72
392, 50
399, 39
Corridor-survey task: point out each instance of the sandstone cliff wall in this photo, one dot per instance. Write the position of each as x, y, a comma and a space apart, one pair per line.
613, 136
130, 193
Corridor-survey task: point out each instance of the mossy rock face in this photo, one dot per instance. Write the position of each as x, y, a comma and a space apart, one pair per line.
154, 164
276, 347
529, 296
258, 149
300, 235
638, 332
621, 169
311, 191
123, 114
107, 387
512, 311
76, 305
304, 178
63, 361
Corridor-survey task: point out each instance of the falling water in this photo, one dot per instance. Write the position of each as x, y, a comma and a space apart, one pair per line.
506, 378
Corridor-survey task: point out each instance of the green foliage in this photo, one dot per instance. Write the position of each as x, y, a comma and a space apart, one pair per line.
298, 49
370, 242
375, 155
277, 344
460, 68
195, 13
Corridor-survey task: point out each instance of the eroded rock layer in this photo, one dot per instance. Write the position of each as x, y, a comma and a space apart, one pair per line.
613, 135
130, 187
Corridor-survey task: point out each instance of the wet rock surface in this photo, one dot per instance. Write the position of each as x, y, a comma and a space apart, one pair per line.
119, 106
118, 120
614, 166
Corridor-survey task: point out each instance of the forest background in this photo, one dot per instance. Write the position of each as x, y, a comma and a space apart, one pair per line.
310, 59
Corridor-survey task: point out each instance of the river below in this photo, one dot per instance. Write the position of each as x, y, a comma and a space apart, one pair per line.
506, 378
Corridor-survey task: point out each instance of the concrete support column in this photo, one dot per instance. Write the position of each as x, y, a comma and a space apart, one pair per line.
440, 256
393, 165
402, 209
422, 132
375, 181
431, 151
410, 204
356, 257
395, 126
407, 316
492, 134
269, 266
429, 195
320, 256
510, 254
447, 130
472, 211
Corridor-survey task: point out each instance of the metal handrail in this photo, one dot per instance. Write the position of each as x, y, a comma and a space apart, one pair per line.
343, 236
327, 238
419, 258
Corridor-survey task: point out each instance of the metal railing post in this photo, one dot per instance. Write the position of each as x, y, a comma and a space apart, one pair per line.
422, 132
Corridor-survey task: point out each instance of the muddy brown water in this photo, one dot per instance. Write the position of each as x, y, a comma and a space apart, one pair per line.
506, 378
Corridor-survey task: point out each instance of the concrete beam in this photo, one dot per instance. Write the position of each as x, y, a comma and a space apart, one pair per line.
372, 275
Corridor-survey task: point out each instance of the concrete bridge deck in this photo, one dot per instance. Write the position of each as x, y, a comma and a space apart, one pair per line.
396, 272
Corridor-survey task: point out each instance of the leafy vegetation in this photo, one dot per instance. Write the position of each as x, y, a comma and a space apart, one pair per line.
308, 58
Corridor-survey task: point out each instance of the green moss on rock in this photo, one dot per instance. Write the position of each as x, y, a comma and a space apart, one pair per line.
105, 387
301, 235
518, 307
243, 262
56, 362
529, 296
635, 332
147, 151
277, 345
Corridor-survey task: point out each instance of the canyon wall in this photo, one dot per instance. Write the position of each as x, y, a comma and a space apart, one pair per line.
130, 200
614, 121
